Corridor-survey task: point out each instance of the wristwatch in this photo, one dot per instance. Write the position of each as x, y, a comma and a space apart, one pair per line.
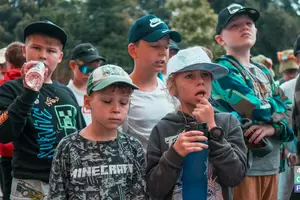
216, 133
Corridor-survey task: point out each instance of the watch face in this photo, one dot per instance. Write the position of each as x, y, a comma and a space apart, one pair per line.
216, 133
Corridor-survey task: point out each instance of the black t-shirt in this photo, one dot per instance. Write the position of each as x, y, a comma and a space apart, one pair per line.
36, 122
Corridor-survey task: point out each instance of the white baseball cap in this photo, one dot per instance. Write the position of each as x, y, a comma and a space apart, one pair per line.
195, 58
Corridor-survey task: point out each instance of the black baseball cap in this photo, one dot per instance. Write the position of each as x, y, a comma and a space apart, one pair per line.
226, 14
150, 29
87, 53
46, 28
297, 46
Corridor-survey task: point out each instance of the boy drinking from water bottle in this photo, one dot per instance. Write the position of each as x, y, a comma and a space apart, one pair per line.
36, 119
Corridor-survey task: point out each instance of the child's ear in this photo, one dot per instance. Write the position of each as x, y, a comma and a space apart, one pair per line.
132, 50
219, 40
72, 65
24, 51
87, 101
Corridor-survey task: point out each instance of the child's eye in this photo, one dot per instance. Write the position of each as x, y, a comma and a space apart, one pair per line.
37, 48
189, 76
51, 51
107, 102
205, 75
249, 23
124, 102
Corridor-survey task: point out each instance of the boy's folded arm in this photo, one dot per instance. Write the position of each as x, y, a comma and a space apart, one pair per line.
234, 90
228, 154
14, 110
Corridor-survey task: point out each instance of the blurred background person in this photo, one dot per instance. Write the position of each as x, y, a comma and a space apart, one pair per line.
265, 61
173, 50
85, 58
2, 63
288, 65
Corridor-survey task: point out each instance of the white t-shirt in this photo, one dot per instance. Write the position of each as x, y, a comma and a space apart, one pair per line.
146, 110
79, 97
288, 88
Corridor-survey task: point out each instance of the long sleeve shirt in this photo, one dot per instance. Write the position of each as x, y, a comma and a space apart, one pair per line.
35, 122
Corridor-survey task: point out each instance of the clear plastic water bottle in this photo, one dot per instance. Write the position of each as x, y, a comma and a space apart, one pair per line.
194, 178
34, 77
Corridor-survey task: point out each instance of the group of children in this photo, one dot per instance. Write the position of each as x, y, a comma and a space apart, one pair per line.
134, 144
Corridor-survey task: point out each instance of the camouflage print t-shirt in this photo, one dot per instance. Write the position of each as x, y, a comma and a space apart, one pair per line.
91, 170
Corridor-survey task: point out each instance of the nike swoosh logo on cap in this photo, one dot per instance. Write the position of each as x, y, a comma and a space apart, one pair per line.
155, 24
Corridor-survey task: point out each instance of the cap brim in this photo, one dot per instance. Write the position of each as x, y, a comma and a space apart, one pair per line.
111, 80
251, 12
217, 71
47, 29
91, 58
158, 34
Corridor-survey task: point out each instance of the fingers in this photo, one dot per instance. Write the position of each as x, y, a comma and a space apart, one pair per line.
196, 147
190, 141
256, 136
192, 133
194, 136
259, 138
202, 101
293, 159
250, 130
26, 66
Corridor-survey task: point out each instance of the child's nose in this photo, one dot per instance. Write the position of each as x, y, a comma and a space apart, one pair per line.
200, 80
116, 108
42, 55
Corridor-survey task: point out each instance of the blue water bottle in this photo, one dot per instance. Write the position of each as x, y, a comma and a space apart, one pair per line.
194, 178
